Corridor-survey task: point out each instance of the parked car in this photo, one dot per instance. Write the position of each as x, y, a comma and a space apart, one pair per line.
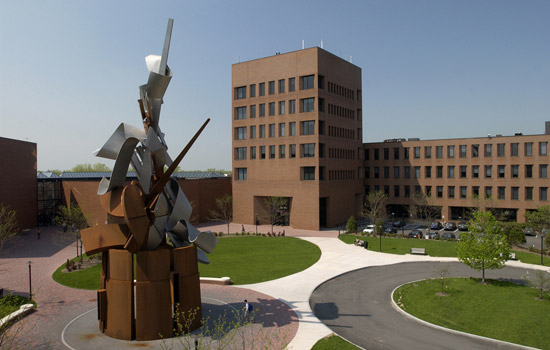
448, 235
433, 235
436, 225
369, 229
390, 229
450, 226
421, 227
462, 226
398, 223
415, 234
528, 231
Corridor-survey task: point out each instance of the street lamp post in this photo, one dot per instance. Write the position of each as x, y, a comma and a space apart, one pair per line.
30, 279
541, 247
256, 217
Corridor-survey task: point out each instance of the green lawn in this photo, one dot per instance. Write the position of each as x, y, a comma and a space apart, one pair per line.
82, 279
333, 342
499, 310
257, 259
245, 260
403, 246
11, 303
433, 247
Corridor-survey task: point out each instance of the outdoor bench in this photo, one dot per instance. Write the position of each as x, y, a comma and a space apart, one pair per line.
419, 251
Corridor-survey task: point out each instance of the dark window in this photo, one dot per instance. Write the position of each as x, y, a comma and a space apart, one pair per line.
417, 152
407, 191
488, 171
439, 191
271, 130
240, 153
428, 191
253, 111
262, 152
376, 154
529, 193
450, 151
253, 90
292, 151
292, 106
488, 149
500, 150
501, 192
281, 107
451, 191
475, 171
439, 170
241, 173
407, 174
501, 171
514, 149
543, 193
386, 153
396, 191
308, 127
240, 113
515, 171
292, 127
528, 149
262, 89
386, 172
272, 87
515, 193
281, 129
543, 171
253, 152
451, 172
307, 82
543, 148
463, 169
387, 190
292, 84
396, 172
463, 192
262, 131
272, 108
309, 172
417, 172
308, 104
462, 151
281, 86
529, 171
396, 153
475, 151
271, 152
262, 110
439, 151
240, 92
308, 150
406, 153
475, 191
428, 152
253, 132
240, 133
428, 172
282, 151
376, 172
488, 192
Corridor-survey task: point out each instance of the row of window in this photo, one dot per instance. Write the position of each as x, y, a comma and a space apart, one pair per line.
340, 153
528, 172
307, 150
475, 192
344, 133
306, 128
307, 173
306, 105
514, 151
306, 82
343, 112
343, 91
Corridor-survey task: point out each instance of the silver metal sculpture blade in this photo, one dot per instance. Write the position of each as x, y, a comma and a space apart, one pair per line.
132, 145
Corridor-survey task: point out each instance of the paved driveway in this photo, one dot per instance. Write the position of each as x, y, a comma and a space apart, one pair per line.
357, 306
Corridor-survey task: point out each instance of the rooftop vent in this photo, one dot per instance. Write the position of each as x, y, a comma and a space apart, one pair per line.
414, 139
518, 134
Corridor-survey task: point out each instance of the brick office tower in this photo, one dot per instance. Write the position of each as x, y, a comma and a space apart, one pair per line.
297, 134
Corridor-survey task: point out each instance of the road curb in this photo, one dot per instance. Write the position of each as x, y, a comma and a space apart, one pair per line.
23, 311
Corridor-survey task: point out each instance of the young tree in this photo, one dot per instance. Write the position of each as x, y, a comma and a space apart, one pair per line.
485, 247
379, 230
374, 206
539, 220
538, 279
8, 224
224, 210
274, 207
443, 273
351, 225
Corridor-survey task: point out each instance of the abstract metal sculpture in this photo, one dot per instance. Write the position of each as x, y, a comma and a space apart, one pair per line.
142, 215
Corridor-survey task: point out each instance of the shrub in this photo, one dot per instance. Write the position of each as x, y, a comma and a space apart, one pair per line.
351, 225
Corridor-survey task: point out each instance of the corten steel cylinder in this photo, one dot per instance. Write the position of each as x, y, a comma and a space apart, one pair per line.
166, 284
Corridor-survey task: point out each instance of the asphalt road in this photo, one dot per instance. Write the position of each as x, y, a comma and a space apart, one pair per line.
357, 306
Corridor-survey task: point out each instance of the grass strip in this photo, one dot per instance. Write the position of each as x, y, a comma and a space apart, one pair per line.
500, 310
333, 342
11, 303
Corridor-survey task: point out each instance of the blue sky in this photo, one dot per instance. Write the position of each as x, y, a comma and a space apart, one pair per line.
70, 70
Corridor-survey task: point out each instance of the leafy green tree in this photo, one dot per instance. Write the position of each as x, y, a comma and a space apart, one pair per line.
8, 224
224, 210
513, 232
71, 216
351, 224
374, 206
90, 168
485, 247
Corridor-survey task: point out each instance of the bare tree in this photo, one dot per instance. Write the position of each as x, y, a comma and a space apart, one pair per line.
538, 279
224, 210
276, 211
8, 225
442, 273
374, 206
422, 208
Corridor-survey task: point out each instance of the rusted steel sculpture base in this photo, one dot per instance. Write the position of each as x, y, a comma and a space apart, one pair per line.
165, 277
